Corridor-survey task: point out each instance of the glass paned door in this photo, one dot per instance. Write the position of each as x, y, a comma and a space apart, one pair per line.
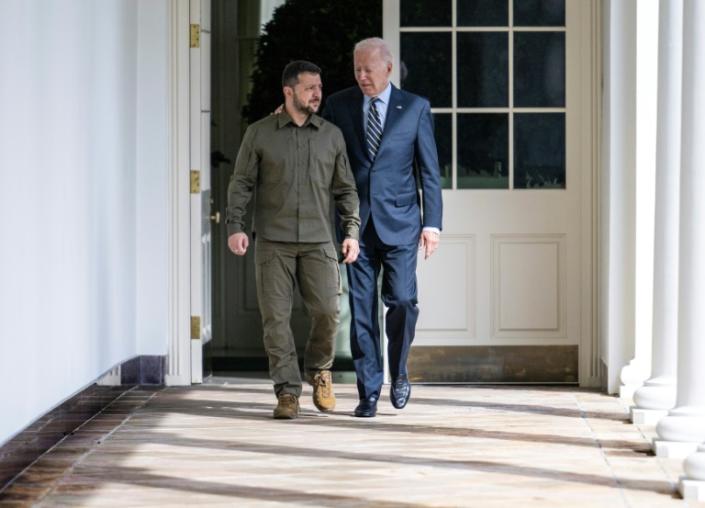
495, 72
427, 67
514, 88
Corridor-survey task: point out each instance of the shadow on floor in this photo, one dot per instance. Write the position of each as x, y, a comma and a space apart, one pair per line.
244, 410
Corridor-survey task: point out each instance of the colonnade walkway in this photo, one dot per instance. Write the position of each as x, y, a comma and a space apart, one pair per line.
485, 446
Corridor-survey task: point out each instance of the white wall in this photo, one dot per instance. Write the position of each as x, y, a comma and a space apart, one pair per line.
82, 196
152, 176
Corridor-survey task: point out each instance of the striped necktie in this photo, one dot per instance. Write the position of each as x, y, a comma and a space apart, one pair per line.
374, 128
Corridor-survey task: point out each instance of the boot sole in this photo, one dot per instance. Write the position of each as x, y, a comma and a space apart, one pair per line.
285, 417
323, 409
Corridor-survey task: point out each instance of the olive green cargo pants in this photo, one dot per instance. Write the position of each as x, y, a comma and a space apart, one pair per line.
313, 267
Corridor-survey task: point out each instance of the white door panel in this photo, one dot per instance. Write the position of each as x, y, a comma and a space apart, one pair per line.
514, 262
448, 299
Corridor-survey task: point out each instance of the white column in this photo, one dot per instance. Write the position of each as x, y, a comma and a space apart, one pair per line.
618, 256
658, 394
639, 368
692, 484
684, 428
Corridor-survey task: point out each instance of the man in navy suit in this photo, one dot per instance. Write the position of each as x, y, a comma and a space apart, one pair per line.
392, 150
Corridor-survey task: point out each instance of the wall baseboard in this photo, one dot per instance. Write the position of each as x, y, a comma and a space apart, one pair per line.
144, 370
42, 434
45, 432
494, 364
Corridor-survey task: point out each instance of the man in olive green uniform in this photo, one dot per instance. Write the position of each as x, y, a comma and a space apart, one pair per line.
294, 162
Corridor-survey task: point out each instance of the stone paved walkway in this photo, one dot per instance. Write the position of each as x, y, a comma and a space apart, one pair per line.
217, 445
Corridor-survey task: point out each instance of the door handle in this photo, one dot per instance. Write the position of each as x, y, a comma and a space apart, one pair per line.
215, 217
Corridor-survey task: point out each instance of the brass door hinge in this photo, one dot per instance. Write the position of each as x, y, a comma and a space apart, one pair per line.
195, 35
195, 181
195, 327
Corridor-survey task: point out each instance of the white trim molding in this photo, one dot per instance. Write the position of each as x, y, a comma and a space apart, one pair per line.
591, 45
179, 353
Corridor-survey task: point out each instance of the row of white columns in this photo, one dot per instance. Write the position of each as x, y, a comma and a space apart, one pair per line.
674, 396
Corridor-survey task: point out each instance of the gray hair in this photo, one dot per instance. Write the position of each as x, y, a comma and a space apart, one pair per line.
375, 43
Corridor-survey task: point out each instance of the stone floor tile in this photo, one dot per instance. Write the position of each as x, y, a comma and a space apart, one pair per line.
217, 445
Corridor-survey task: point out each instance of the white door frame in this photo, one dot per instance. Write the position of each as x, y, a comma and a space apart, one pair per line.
199, 150
586, 119
179, 227
590, 148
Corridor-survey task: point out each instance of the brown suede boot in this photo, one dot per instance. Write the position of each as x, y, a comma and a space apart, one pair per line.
287, 406
323, 396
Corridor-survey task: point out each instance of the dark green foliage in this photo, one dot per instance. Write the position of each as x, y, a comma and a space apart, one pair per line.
321, 31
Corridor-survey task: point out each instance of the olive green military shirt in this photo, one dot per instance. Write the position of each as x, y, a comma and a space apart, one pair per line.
293, 172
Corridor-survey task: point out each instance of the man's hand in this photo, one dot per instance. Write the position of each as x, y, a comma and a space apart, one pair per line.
238, 243
429, 242
350, 249
278, 111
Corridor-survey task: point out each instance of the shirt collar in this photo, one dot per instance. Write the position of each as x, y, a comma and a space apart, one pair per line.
284, 119
383, 95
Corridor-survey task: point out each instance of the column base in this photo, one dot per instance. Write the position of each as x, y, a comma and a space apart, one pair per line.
673, 449
626, 393
647, 416
657, 393
683, 424
632, 377
691, 490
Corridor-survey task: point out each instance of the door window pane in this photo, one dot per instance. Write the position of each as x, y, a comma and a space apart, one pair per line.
486, 66
426, 12
539, 12
539, 150
482, 13
483, 69
539, 69
444, 142
482, 151
426, 66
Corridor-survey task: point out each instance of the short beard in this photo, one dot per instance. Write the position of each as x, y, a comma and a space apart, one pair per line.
303, 108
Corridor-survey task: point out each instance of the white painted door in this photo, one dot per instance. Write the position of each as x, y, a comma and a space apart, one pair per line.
199, 114
511, 90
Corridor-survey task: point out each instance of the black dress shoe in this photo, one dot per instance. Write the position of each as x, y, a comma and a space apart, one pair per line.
367, 408
400, 391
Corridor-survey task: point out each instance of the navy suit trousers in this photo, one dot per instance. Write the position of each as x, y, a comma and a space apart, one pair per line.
398, 266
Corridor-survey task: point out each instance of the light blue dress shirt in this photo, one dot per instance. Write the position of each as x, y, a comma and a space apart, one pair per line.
382, 105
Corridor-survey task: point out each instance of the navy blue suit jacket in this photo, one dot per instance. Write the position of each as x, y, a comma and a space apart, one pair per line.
387, 186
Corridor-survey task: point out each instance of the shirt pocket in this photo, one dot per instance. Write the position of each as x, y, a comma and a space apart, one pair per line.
321, 164
272, 169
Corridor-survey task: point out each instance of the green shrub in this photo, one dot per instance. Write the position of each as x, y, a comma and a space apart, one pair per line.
321, 31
